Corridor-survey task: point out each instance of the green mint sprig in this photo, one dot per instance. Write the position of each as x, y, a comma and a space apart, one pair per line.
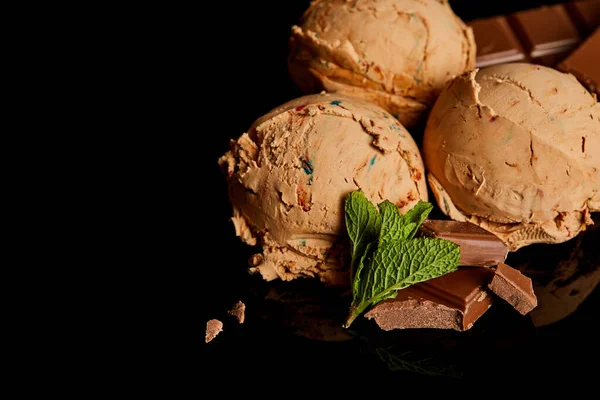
386, 256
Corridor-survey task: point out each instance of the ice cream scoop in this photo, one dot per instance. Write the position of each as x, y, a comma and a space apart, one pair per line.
515, 149
395, 53
289, 173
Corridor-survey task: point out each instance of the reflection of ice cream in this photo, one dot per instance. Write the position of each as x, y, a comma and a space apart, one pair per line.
515, 149
395, 53
289, 173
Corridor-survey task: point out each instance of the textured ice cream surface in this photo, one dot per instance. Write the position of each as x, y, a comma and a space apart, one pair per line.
515, 149
395, 53
289, 173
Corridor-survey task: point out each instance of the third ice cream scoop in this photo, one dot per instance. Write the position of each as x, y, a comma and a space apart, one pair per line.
515, 149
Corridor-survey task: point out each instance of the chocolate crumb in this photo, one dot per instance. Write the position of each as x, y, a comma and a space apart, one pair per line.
213, 328
238, 311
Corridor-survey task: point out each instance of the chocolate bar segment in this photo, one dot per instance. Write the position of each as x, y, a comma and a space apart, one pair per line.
514, 287
584, 63
585, 14
547, 33
478, 247
496, 42
452, 301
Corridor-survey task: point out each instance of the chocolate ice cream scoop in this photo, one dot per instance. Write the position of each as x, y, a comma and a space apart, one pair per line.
288, 176
515, 149
395, 53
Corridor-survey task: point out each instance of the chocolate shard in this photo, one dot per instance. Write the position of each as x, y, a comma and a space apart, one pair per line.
213, 328
452, 301
584, 63
478, 247
514, 287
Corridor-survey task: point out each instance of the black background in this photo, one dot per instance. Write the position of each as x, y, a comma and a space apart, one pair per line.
241, 74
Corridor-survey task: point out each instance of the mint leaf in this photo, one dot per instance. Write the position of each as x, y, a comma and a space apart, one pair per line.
366, 259
396, 226
391, 223
415, 217
363, 223
396, 265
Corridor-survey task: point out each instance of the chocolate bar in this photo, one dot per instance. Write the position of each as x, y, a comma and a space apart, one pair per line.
452, 301
544, 35
514, 287
478, 247
584, 63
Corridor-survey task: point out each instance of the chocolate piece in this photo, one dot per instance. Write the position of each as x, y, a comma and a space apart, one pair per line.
213, 328
544, 35
478, 247
547, 33
585, 14
238, 311
514, 287
496, 42
584, 63
452, 301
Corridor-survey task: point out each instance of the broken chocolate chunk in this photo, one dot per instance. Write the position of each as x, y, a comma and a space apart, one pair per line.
452, 301
514, 287
478, 247
213, 328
